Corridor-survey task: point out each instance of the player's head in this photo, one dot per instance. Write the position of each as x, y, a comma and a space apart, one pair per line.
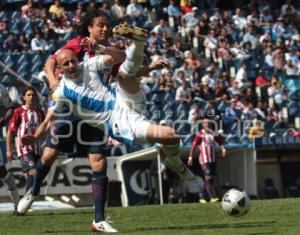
68, 63
30, 96
95, 25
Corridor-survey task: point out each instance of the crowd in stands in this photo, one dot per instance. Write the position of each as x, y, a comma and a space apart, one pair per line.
237, 65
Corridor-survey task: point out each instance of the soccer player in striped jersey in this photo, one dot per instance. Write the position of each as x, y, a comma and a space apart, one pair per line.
6, 177
99, 105
25, 120
206, 140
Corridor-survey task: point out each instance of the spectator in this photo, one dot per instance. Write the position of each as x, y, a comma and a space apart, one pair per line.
49, 33
161, 28
136, 13
195, 114
10, 44
206, 92
206, 140
250, 37
240, 21
256, 130
242, 78
261, 80
38, 43
189, 20
91, 7
57, 11
174, 11
260, 111
290, 68
27, 11
4, 25
22, 43
183, 94
118, 9
208, 77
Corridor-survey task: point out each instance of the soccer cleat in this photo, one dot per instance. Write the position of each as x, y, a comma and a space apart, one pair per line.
202, 201
214, 199
25, 203
182, 170
131, 32
103, 226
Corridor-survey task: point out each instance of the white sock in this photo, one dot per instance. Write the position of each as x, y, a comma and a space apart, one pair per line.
173, 154
134, 58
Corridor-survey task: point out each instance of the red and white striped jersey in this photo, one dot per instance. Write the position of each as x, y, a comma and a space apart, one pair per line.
207, 148
25, 122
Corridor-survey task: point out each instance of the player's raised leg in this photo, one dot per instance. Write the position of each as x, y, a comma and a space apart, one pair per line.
171, 147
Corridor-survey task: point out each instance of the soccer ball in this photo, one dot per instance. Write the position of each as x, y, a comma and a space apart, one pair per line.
235, 202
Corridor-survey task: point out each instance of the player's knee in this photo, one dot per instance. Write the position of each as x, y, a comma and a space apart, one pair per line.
98, 162
170, 137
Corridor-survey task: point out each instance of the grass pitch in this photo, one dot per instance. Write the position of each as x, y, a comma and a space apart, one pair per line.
265, 217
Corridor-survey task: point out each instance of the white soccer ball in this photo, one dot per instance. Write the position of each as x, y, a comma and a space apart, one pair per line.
235, 202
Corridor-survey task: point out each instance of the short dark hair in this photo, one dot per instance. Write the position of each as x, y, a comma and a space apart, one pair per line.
88, 20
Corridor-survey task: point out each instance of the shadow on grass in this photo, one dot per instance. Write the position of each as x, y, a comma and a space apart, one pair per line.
212, 226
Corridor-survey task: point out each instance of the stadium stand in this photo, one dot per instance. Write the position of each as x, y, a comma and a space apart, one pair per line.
259, 40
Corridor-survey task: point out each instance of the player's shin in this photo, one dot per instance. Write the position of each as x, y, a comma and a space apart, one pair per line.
41, 172
99, 188
134, 58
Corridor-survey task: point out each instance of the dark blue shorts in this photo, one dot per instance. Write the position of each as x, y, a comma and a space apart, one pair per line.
29, 161
209, 168
76, 137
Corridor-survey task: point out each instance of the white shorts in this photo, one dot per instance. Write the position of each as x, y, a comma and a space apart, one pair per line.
3, 160
127, 124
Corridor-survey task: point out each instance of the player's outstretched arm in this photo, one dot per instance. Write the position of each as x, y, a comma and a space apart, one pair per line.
50, 67
117, 54
9, 141
42, 129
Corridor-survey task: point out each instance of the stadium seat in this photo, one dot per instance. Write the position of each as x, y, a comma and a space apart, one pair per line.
293, 191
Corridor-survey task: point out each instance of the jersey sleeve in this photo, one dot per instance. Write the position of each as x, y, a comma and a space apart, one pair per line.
57, 100
97, 63
196, 141
14, 121
73, 45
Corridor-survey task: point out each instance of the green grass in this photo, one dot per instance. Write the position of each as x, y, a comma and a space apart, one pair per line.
264, 217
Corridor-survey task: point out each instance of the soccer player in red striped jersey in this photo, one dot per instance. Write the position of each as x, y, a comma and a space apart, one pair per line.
206, 140
25, 120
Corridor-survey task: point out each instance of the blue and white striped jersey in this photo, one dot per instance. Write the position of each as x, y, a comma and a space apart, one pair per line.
88, 97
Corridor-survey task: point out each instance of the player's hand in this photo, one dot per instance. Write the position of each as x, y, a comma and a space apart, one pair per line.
159, 64
190, 162
223, 152
28, 139
89, 43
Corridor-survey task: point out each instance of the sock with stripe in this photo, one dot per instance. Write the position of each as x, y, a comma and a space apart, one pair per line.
99, 188
42, 171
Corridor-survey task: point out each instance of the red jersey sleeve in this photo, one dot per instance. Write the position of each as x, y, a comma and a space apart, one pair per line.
73, 44
14, 121
196, 141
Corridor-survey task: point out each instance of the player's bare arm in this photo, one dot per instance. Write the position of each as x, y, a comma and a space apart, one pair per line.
42, 129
